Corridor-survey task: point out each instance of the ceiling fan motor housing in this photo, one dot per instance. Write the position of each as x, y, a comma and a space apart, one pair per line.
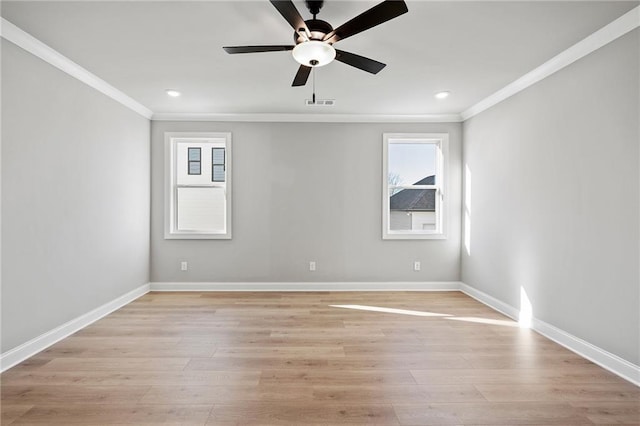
318, 29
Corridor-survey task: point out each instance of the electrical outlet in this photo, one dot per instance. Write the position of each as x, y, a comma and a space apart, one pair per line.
416, 265
184, 266
312, 266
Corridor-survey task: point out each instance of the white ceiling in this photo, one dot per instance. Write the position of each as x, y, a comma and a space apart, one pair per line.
469, 48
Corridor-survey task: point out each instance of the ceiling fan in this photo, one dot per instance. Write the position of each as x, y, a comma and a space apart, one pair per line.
314, 38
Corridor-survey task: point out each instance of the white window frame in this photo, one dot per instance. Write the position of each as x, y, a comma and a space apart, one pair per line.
441, 186
171, 140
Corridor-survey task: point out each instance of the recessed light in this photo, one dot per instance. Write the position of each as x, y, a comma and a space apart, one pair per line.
173, 93
442, 95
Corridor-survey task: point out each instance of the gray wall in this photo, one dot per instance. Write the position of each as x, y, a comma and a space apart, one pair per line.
302, 192
75, 198
555, 199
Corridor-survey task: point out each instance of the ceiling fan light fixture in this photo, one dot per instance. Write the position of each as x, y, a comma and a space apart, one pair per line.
314, 53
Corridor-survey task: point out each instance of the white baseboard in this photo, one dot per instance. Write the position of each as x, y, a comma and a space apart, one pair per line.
26, 350
307, 286
490, 301
604, 359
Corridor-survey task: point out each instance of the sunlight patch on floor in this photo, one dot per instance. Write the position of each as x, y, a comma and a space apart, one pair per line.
489, 321
477, 320
390, 310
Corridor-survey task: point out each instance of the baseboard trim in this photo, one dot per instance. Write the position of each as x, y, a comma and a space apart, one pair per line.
603, 358
40, 343
490, 301
306, 286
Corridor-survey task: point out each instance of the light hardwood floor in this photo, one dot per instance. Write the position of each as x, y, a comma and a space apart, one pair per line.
312, 358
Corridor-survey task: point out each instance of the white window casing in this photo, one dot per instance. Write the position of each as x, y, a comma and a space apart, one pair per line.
198, 185
424, 224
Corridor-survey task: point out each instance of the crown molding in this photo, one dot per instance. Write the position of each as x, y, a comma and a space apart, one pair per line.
26, 41
621, 26
310, 118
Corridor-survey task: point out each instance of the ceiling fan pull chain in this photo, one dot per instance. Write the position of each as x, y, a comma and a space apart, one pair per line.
313, 80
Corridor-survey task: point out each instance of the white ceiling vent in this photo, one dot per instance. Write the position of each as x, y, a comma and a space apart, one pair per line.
320, 102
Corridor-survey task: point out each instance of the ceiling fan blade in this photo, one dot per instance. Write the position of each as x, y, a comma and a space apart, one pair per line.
377, 15
289, 12
301, 76
360, 62
256, 49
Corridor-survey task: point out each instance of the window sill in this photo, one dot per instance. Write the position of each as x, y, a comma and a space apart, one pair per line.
196, 236
413, 236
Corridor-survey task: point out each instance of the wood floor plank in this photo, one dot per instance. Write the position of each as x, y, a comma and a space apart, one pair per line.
512, 414
134, 348
307, 339
375, 349
340, 333
610, 413
302, 414
198, 394
300, 359
257, 351
397, 394
130, 414
30, 364
523, 361
261, 363
397, 361
79, 394
588, 373
11, 412
601, 392
116, 364
142, 378
337, 377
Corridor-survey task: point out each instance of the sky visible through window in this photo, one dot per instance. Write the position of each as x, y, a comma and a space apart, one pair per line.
411, 162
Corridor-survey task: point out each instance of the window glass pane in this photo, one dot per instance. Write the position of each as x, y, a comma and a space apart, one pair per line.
201, 209
218, 174
217, 155
412, 163
412, 209
194, 167
194, 154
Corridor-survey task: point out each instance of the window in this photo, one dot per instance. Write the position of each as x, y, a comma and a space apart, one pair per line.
414, 198
198, 186
194, 161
